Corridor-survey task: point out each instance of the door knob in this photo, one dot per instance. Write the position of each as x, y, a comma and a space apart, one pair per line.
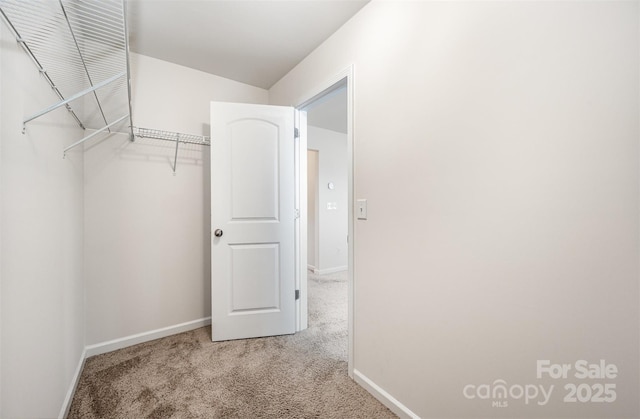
218, 233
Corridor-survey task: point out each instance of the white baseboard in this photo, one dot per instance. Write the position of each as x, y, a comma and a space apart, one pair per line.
385, 398
330, 270
112, 345
66, 404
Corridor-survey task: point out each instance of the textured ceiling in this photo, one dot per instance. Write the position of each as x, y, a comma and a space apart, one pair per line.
252, 41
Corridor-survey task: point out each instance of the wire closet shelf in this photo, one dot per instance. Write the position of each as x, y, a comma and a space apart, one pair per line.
177, 137
81, 50
171, 136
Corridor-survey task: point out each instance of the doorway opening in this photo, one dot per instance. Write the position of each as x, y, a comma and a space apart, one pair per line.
329, 199
327, 227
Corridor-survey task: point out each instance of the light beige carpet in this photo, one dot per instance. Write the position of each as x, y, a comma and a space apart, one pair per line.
187, 376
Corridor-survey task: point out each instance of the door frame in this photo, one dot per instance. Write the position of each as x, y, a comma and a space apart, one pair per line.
341, 79
316, 210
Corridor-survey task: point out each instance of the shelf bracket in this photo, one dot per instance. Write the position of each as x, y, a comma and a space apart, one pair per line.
90, 136
39, 66
175, 158
74, 97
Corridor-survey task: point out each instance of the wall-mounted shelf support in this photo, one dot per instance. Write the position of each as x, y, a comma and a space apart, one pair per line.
175, 157
90, 136
72, 98
41, 69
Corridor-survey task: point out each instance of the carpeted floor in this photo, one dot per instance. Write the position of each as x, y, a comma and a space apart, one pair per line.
188, 376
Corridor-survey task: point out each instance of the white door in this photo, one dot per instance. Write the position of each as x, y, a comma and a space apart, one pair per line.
253, 213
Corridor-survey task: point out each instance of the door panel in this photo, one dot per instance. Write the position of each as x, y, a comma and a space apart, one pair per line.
254, 170
252, 203
255, 274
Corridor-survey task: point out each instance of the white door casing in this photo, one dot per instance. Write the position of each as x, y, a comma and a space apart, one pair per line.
253, 205
344, 77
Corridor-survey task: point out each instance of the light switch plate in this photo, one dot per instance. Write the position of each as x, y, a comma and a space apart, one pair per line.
361, 209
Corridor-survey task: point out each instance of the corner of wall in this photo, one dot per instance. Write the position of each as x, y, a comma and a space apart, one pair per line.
68, 399
42, 287
383, 397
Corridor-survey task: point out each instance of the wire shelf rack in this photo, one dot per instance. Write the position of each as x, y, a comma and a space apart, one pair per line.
171, 136
176, 137
81, 49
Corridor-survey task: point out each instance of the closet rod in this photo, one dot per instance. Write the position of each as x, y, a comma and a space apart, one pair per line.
88, 137
41, 69
74, 97
204, 142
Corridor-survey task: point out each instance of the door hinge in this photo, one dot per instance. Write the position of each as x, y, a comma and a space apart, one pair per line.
297, 213
297, 294
296, 133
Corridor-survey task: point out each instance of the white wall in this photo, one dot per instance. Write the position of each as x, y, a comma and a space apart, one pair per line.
146, 230
332, 222
42, 290
497, 145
